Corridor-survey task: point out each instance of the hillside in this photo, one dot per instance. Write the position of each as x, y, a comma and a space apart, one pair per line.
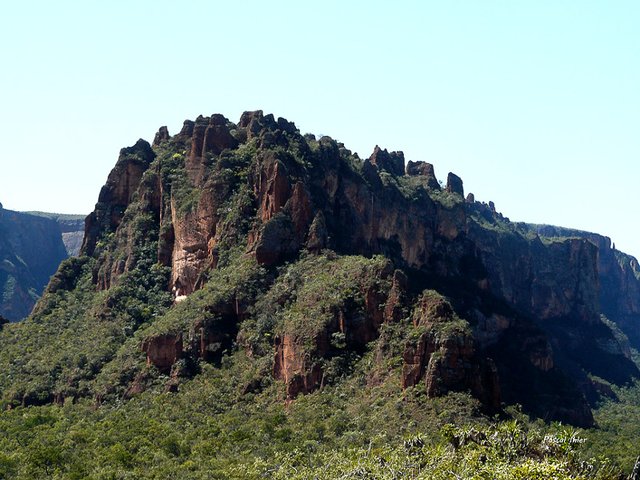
250, 301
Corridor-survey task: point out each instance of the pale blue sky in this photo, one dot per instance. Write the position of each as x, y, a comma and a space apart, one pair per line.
535, 104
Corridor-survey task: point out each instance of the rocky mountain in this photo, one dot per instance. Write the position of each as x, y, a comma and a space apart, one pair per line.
31, 248
618, 274
289, 250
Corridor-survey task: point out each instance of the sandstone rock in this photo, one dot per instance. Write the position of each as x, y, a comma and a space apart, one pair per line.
319, 197
276, 240
432, 308
217, 136
287, 126
161, 136
190, 248
117, 193
187, 129
137, 386
445, 357
414, 354
391, 162
31, 248
454, 184
247, 117
254, 124
273, 187
300, 210
619, 292
393, 309
163, 350
370, 174
197, 138
423, 169
318, 238
292, 367
217, 330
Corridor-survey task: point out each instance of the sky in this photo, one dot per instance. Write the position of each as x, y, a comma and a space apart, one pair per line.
535, 104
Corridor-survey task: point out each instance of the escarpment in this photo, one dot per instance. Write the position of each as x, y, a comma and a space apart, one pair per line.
291, 248
31, 248
618, 276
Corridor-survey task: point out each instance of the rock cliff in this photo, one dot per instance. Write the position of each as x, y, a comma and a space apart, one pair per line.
71, 226
618, 276
293, 249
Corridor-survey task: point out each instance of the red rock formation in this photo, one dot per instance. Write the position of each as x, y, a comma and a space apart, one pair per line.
272, 189
117, 193
300, 366
210, 136
444, 357
300, 210
161, 136
393, 309
192, 232
454, 184
163, 350
391, 162
317, 238
210, 335
293, 367
426, 170
316, 196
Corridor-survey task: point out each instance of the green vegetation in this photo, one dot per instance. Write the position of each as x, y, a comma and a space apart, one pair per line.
447, 199
618, 421
61, 217
210, 429
317, 287
230, 420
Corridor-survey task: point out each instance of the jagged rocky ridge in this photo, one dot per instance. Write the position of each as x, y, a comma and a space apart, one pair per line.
339, 251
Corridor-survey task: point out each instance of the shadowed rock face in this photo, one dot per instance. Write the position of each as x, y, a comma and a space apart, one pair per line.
516, 292
454, 184
163, 350
390, 162
618, 276
31, 248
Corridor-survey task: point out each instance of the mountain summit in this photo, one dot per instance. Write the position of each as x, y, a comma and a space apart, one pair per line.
294, 266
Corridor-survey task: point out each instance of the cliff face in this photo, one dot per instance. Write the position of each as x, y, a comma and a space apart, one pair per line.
71, 226
31, 249
347, 256
618, 277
